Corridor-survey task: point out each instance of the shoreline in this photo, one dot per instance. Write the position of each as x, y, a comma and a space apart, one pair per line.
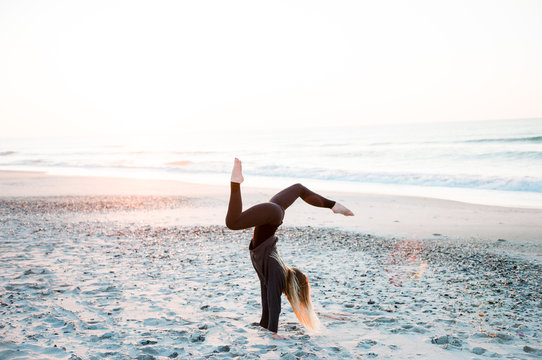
381, 215
484, 197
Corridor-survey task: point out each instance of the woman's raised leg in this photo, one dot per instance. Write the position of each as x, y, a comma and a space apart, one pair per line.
260, 214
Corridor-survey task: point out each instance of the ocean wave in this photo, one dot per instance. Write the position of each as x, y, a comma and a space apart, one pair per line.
498, 156
409, 142
180, 167
508, 155
524, 184
528, 139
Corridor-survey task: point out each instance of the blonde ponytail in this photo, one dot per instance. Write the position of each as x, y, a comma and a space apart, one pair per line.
297, 292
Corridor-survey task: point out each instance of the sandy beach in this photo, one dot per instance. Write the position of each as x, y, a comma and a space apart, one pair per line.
122, 268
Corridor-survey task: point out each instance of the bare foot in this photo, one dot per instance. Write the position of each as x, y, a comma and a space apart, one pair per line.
339, 209
237, 172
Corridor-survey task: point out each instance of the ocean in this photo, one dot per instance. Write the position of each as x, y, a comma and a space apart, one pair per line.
484, 162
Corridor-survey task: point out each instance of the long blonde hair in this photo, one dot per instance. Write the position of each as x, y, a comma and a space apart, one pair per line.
297, 292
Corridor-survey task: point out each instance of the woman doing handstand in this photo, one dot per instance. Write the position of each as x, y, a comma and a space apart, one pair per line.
275, 277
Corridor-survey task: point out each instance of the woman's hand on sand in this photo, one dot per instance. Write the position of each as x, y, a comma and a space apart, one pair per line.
237, 172
339, 209
278, 337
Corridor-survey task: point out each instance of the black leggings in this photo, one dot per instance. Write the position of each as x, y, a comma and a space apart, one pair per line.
267, 217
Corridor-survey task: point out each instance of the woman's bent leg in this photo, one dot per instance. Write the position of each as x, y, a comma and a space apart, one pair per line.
286, 197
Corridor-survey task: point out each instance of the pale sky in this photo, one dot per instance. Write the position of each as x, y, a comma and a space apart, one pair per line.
100, 67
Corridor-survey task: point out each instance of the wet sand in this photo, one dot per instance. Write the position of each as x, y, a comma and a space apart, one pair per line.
140, 274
